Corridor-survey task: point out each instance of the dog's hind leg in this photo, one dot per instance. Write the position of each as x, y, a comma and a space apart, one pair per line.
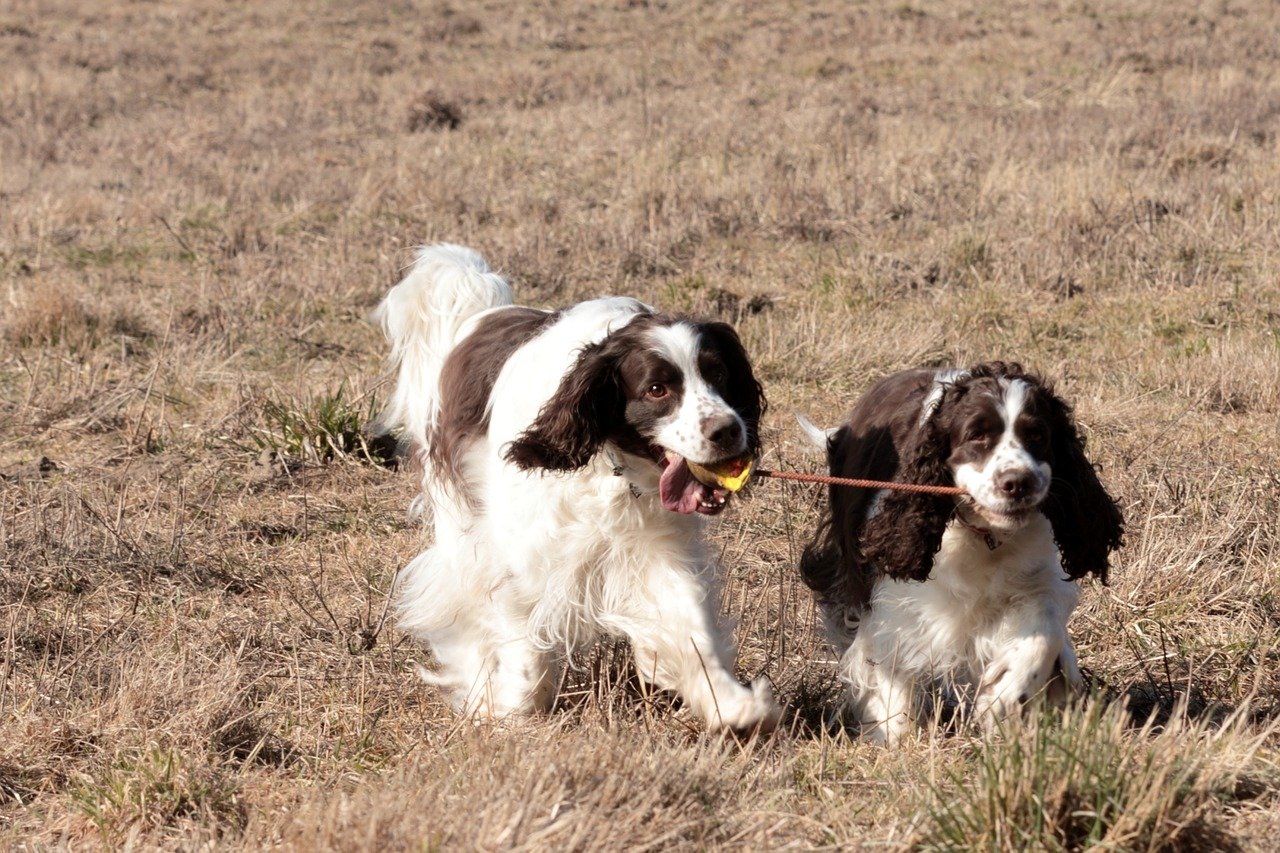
451, 599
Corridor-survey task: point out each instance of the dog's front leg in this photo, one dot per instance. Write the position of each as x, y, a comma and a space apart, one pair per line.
1066, 681
880, 692
1034, 658
670, 620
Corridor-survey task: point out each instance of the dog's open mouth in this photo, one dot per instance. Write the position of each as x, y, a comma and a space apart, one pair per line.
684, 488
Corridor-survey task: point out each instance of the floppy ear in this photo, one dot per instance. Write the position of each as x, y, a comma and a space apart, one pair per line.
742, 391
585, 410
1087, 523
900, 539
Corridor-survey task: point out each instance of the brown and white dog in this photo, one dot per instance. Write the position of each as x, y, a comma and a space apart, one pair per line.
968, 596
556, 449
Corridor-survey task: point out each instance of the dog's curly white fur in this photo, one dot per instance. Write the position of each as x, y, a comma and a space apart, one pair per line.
554, 448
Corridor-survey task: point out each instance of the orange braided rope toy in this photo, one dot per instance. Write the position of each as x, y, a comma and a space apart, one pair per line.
861, 484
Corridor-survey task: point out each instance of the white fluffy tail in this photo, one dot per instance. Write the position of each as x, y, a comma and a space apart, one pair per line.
818, 437
421, 317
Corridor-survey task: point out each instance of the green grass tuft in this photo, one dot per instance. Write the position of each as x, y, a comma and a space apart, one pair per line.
1080, 779
319, 429
155, 789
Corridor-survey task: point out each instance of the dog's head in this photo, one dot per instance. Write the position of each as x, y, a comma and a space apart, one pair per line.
1004, 436
664, 389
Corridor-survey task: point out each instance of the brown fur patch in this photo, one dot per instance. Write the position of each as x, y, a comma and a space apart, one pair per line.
468, 378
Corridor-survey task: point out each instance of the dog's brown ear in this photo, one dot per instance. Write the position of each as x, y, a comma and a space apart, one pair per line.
1087, 522
905, 530
585, 410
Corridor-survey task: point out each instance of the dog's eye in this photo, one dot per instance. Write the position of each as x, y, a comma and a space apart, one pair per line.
656, 391
978, 436
1033, 434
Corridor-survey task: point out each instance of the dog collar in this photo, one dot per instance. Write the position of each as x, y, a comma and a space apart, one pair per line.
620, 470
984, 533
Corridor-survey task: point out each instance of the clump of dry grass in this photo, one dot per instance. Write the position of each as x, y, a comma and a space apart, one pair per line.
51, 316
1088, 779
322, 428
140, 794
517, 790
429, 111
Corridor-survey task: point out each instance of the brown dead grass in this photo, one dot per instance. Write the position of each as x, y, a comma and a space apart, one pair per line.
202, 201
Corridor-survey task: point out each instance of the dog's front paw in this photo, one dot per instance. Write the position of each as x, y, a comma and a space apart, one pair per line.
1066, 683
884, 718
1015, 678
747, 711
881, 733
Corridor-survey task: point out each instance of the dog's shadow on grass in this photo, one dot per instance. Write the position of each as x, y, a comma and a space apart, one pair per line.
1159, 701
814, 706
602, 687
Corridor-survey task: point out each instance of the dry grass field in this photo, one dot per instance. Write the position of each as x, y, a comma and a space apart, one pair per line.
201, 201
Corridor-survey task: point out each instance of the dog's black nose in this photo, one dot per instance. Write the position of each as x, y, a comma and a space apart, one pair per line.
1015, 484
724, 431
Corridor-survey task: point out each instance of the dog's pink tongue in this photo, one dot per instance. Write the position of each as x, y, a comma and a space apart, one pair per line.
677, 489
